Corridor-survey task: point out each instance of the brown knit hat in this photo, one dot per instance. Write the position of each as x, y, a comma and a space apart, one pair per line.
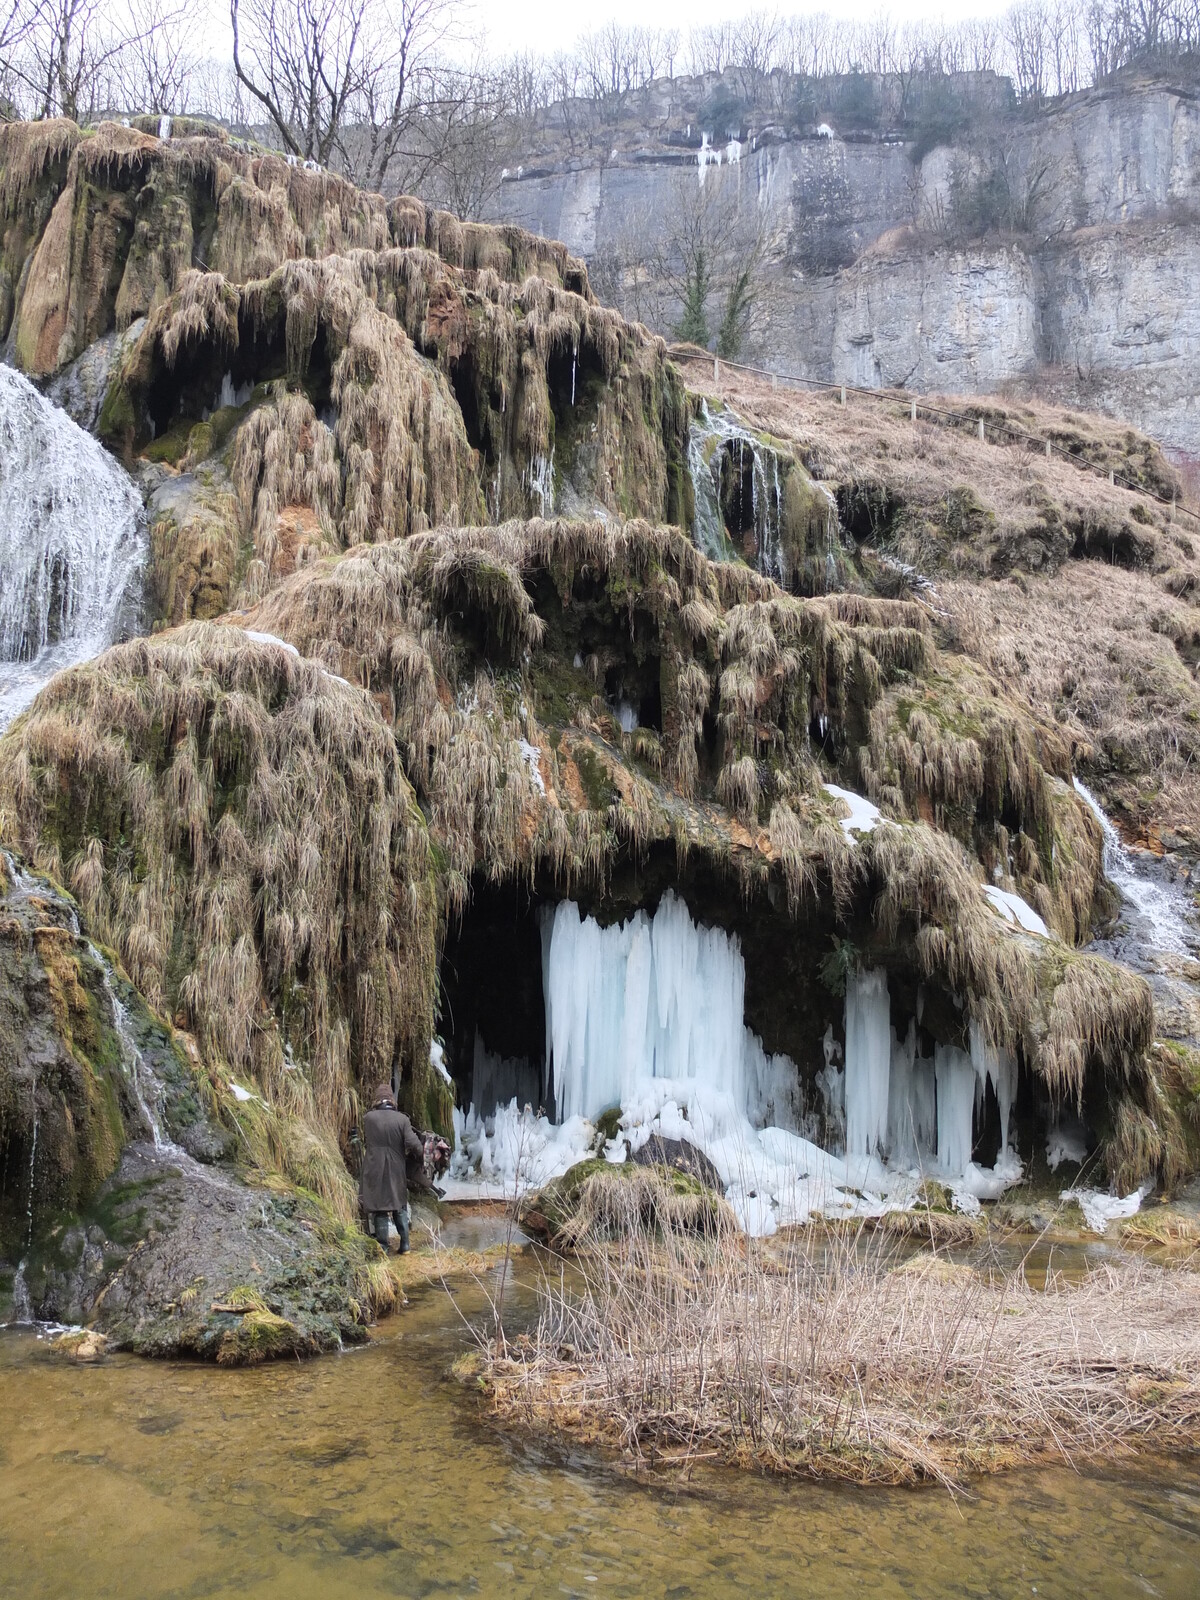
383, 1096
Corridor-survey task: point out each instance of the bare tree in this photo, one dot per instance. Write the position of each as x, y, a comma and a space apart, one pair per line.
469, 133
17, 18
694, 265
155, 69
1026, 35
344, 80
70, 48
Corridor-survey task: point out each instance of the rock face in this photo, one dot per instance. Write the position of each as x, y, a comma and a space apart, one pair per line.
870, 282
121, 1203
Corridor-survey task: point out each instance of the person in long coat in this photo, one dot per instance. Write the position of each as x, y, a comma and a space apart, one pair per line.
383, 1185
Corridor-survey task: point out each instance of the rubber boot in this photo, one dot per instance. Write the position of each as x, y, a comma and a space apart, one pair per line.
402, 1217
379, 1227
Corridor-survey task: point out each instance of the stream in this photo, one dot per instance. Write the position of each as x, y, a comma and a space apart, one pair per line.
373, 1473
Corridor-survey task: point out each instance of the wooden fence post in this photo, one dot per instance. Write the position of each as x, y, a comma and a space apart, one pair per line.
982, 438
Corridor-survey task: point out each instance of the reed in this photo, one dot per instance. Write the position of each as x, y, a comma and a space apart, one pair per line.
839, 1354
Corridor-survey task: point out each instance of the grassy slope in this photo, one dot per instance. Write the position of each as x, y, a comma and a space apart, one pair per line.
1078, 595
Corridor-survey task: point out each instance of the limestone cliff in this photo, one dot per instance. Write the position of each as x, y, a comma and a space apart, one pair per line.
872, 280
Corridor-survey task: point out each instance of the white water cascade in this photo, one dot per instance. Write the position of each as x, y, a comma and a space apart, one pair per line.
715, 437
647, 1016
72, 544
147, 1090
708, 436
1157, 908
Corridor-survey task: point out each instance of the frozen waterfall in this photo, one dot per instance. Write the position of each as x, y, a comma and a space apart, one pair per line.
653, 998
72, 544
646, 1018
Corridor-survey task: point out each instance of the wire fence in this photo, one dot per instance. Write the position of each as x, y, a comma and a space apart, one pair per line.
920, 410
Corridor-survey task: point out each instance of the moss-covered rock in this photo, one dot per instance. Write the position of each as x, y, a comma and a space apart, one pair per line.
597, 1197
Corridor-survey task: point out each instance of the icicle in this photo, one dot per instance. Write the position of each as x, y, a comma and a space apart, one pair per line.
868, 1060
541, 483
912, 1103
999, 1067
574, 360
956, 1089
164, 128
652, 998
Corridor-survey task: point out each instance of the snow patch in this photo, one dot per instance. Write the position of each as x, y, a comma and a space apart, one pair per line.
1101, 1209
531, 757
271, 638
437, 1060
864, 817
1015, 910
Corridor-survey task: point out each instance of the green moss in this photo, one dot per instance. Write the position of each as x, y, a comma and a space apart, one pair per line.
171, 447
608, 1123
594, 775
117, 422
560, 1200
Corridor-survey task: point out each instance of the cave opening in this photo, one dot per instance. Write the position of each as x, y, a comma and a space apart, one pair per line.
493, 1014
866, 510
464, 380
493, 1018
1119, 547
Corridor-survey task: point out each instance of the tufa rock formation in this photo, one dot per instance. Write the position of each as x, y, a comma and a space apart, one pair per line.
393, 706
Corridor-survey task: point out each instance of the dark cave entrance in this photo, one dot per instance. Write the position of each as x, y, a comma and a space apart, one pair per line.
492, 1008
208, 377
493, 1019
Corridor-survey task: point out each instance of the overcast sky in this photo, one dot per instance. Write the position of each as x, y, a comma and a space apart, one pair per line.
550, 25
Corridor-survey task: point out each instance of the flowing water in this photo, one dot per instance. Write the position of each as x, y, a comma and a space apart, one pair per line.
710, 436
719, 445
372, 1474
1155, 919
72, 544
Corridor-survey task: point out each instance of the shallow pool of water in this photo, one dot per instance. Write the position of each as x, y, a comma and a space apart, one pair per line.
371, 1473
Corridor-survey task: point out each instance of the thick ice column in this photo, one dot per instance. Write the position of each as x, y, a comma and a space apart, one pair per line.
923, 1104
868, 1062
957, 1085
901, 1133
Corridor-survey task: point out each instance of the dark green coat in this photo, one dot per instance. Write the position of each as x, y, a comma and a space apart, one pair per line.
388, 1138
